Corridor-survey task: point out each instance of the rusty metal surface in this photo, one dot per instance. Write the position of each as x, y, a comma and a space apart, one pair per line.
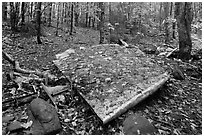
109, 75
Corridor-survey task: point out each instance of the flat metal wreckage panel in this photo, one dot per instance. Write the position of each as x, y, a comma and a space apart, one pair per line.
111, 78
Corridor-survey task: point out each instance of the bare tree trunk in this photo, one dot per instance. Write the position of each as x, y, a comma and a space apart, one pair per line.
89, 22
173, 23
53, 10
66, 13
93, 21
72, 19
4, 11
160, 18
102, 18
195, 11
62, 13
50, 14
31, 10
98, 15
58, 15
87, 14
35, 9
13, 17
110, 13
76, 14
184, 19
140, 19
166, 24
38, 22
23, 12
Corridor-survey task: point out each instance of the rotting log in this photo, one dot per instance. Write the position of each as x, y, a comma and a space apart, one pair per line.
135, 100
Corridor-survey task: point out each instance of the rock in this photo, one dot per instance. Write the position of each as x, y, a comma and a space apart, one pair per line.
178, 74
16, 125
138, 125
45, 115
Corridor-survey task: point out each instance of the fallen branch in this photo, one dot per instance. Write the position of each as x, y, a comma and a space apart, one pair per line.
169, 54
56, 90
187, 64
49, 95
17, 68
20, 100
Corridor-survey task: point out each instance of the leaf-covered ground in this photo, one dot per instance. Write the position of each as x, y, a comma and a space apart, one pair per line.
175, 109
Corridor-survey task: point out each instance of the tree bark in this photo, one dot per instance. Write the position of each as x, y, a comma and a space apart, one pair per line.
72, 19
87, 13
62, 13
166, 24
50, 14
35, 9
173, 23
184, 18
76, 14
89, 22
160, 17
58, 15
195, 11
102, 18
53, 10
110, 13
4, 11
31, 10
23, 12
39, 22
12, 17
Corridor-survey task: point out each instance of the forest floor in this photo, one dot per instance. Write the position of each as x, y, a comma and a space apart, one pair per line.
175, 109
